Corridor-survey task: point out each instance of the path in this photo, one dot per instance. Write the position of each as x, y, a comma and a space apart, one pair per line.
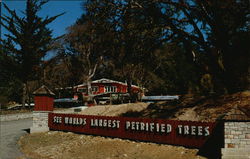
10, 132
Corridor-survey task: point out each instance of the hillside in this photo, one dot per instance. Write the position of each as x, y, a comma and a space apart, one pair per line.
70, 145
188, 107
195, 108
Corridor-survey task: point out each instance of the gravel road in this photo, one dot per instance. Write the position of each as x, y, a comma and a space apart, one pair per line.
10, 132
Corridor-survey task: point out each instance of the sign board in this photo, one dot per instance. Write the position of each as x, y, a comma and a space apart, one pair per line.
185, 133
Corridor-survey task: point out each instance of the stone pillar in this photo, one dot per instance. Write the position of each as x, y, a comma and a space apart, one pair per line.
236, 135
40, 122
43, 106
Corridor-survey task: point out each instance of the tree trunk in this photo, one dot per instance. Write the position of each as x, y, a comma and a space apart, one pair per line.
28, 94
89, 90
129, 85
110, 99
24, 94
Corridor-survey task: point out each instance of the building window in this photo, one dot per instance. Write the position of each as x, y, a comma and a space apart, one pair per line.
110, 89
94, 89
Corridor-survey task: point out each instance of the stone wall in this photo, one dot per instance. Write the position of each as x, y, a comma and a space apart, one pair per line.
10, 117
237, 140
237, 134
40, 121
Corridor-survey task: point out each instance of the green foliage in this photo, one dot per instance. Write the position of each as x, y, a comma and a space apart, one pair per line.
128, 36
168, 47
209, 29
174, 46
175, 73
28, 41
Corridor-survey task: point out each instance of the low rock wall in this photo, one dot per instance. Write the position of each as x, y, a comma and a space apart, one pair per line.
40, 121
237, 134
10, 117
237, 140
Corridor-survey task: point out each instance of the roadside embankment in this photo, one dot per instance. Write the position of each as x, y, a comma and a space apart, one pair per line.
114, 110
18, 116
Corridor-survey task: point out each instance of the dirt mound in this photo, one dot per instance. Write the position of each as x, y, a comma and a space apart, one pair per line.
214, 108
196, 108
114, 110
188, 107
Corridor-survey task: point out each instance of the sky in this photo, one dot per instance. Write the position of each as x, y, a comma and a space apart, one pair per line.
72, 8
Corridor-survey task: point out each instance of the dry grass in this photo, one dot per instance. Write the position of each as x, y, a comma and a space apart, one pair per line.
61, 145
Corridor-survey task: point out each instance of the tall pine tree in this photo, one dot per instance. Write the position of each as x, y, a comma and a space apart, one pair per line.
28, 41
